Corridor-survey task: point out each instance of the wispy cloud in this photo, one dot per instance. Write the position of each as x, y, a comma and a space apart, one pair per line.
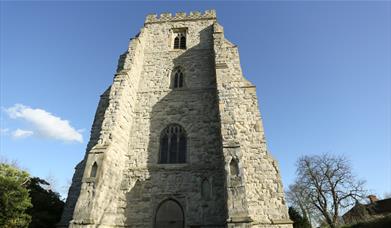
4, 131
20, 133
45, 124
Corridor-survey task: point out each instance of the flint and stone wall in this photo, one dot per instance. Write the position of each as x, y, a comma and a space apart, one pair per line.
218, 109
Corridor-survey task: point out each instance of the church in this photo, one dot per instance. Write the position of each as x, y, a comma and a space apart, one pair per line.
177, 140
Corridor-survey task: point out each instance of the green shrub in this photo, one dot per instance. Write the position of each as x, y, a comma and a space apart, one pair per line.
14, 197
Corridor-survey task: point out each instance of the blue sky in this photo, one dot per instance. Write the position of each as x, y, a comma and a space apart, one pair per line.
322, 71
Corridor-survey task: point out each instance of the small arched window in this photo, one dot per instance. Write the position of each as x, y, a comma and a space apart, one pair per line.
173, 145
94, 169
234, 168
178, 78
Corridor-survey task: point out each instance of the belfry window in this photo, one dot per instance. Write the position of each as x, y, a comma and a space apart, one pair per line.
180, 41
173, 145
180, 38
178, 78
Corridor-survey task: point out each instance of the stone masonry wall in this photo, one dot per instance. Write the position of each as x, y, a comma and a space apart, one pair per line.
256, 195
146, 183
107, 147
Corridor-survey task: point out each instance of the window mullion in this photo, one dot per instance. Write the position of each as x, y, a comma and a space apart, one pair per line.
168, 147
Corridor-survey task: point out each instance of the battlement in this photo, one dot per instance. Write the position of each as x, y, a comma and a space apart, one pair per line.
180, 16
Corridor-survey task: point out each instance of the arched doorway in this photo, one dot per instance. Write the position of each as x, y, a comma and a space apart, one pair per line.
169, 215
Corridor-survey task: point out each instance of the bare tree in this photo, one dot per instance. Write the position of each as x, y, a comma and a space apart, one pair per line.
52, 182
65, 189
326, 183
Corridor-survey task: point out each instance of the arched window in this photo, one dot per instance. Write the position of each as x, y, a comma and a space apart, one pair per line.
178, 78
94, 169
169, 214
180, 40
234, 168
173, 145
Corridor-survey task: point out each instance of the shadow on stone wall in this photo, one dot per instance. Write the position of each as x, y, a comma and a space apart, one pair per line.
195, 108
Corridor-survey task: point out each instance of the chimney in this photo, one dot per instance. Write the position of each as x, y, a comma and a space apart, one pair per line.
372, 198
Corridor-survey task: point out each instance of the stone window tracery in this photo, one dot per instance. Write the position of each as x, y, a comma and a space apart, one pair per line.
180, 38
178, 78
173, 144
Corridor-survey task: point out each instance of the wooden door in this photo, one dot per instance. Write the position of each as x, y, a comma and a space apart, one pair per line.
169, 215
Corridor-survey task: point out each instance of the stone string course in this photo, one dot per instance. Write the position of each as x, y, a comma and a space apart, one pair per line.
219, 110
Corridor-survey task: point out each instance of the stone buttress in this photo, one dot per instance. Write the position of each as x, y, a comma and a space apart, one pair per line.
228, 178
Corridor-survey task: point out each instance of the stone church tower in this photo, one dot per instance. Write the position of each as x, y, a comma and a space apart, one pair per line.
177, 139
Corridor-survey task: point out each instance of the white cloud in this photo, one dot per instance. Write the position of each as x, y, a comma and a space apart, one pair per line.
19, 133
45, 124
4, 131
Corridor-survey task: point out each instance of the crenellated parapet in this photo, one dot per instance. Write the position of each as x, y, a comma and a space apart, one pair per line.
180, 16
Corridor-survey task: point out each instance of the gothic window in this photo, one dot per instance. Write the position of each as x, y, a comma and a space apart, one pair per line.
173, 145
169, 214
178, 78
234, 168
179, 38
94, 169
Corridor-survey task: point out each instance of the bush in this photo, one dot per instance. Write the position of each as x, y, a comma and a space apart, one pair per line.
14, 197
298, 220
